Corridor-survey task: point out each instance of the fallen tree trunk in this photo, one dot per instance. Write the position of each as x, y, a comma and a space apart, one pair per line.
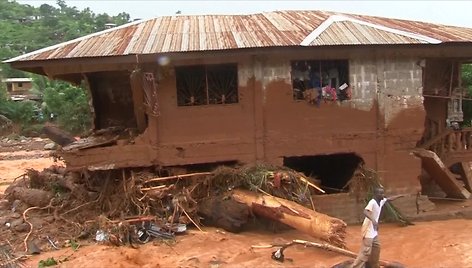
57, 135
316, 224
223, 212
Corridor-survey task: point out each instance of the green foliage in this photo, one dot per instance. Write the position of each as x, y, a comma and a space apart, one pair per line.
466, 75
32, 130
48, 262
74, 245
3, 93
69, 105
19, 112
26, 28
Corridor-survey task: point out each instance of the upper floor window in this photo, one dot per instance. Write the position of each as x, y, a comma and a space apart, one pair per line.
207, 84
320, 80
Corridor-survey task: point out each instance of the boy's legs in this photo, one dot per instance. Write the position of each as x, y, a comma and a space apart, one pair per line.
364, 253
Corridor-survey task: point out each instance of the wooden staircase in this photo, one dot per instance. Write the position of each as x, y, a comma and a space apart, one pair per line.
452, 146
449, 147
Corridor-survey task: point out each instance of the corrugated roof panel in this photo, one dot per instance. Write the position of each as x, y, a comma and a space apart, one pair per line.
124, 40
443, 32
271, 31
219, 32
77, 48
238, 39
143, 38
223, 22
177, 42
166, 46
44, 55
104, 45
228, 39
159, 42
345, 32
60, 52
130, 49
192, 43
351, 33
152, 37
279, 22
209, 26
86, 46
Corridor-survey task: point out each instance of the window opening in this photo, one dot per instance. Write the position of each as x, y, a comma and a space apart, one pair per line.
332, 171
207, 84
320, 80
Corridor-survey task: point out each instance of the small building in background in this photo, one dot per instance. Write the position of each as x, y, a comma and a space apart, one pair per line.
20, 89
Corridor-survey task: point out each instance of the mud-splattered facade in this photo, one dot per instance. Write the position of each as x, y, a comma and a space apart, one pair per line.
380, 122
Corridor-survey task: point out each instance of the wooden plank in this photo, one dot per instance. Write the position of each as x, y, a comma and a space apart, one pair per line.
466, 175
137, 91
441, 174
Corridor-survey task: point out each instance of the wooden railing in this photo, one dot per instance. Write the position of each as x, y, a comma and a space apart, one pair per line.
450, 142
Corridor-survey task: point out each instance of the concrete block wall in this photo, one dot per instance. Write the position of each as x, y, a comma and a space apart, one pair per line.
403, 114
363, 80
400, 86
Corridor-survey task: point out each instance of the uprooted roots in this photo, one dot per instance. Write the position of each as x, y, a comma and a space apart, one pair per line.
83, 202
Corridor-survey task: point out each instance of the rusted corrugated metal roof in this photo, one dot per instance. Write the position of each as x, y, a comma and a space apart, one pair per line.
272, 29
350, 33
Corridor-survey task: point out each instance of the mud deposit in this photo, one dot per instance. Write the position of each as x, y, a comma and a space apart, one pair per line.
426, 244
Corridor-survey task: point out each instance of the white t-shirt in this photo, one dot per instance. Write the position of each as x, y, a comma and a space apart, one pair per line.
367, 226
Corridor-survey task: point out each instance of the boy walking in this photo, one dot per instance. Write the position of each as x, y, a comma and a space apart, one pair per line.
370, 248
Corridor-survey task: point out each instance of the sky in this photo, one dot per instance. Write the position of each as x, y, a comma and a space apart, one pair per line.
456, 13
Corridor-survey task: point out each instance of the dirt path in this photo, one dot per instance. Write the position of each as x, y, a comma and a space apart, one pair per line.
427, 244
15, 164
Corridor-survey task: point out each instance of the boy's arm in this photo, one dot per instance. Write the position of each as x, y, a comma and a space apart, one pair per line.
391, 198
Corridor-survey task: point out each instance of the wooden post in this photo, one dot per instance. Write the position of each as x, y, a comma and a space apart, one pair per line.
136, 81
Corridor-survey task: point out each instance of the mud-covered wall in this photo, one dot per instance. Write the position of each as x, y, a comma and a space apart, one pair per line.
400, 94
207, 133
296, 128
382, 122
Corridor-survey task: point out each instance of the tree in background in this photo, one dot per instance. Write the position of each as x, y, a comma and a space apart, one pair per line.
21, 113
467, 84
68, 105
25, 28
3, 93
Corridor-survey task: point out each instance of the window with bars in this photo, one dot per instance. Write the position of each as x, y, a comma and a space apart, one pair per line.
315, 80
207, 84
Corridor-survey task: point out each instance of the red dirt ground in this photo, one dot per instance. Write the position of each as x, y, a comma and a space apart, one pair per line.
426, 244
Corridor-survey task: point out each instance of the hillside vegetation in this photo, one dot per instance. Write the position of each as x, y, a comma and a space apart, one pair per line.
24, 28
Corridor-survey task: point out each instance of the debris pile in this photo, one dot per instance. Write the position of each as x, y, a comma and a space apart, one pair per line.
55, 207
